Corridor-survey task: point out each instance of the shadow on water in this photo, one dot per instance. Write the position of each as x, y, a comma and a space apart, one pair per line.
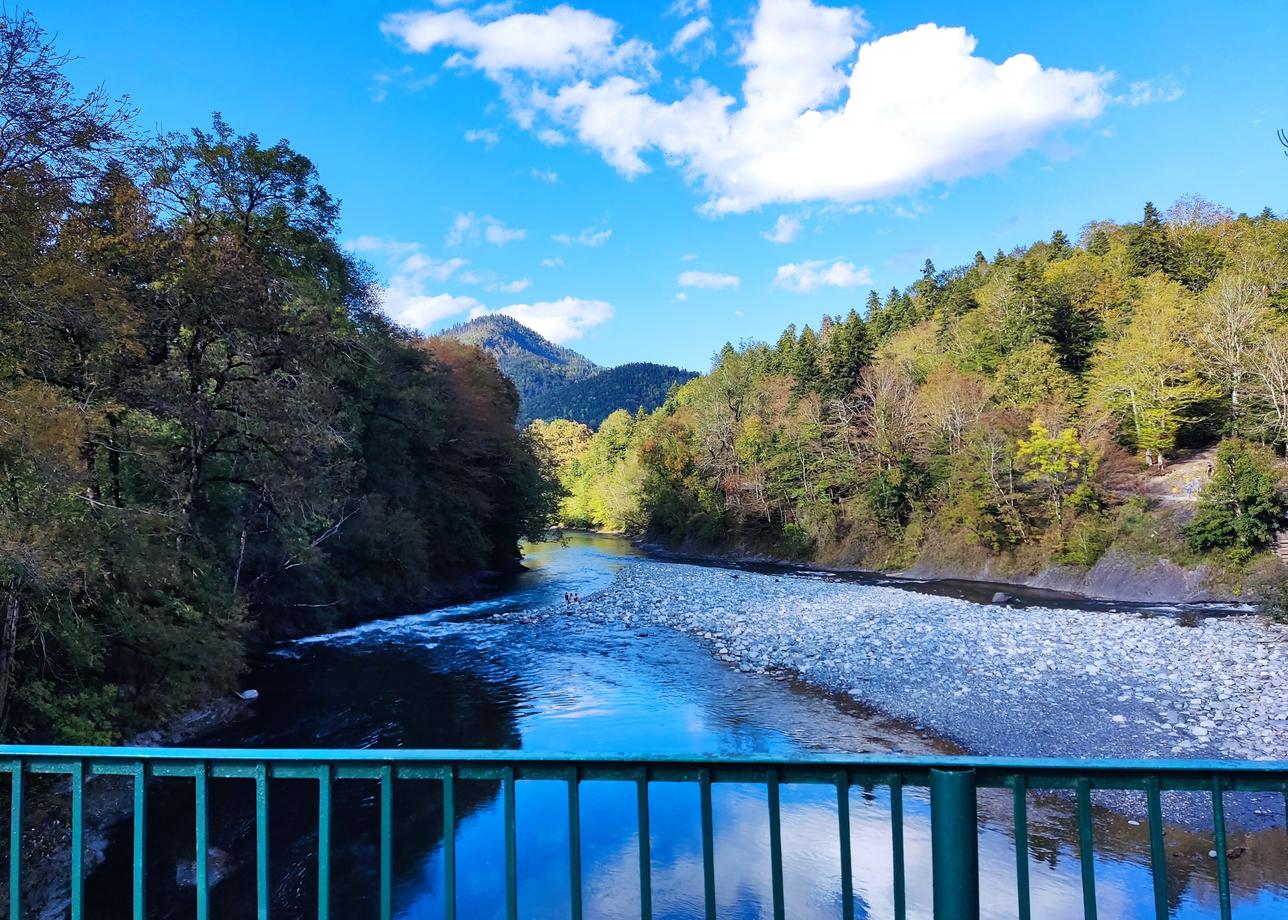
461, 678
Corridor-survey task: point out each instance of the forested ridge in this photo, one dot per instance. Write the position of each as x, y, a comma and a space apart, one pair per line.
1012, 413
590, 401
209, 434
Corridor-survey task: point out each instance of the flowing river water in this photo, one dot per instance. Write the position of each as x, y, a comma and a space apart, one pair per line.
460, 677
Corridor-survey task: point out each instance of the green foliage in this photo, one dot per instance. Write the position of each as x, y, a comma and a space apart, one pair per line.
590, 401
891, 493
794, 543
1055, 463
1242, 505
209, 435
968, 414
1086, 542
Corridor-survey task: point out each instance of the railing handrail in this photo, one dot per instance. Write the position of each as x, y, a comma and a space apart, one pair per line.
444, 755
953, 782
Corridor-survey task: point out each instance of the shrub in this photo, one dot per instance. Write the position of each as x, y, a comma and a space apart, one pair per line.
1240, 509
794, 543
1086, 542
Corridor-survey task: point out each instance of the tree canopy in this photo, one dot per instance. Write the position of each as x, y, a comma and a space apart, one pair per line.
209, 433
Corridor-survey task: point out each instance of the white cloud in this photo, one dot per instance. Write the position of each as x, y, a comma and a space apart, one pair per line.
420, 311
380, 244
1147, 92
498, 234
551, 138
688, 7
818, 122
560, 320
548, 176
804, 277
559, 41
707, 280
422, 267
694, 39
680, 296
510, 287
688, 257
487, 228
485, 136
406, 298
588, 237
785, 230
552, 263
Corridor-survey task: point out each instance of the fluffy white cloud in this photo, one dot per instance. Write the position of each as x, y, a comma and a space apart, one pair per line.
422, 267
548, 176
486, 228
559, 320
804, 277
817, 121
715, 280
420, 311
785, 230
552, 263
485, 136
406, 298
560, 40
588, 237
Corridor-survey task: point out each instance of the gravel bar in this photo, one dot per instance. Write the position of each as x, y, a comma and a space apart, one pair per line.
997, 679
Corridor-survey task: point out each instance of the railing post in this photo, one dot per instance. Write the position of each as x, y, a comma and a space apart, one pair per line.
954, 844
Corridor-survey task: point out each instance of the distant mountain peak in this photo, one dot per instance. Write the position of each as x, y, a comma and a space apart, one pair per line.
497, 332
557, 382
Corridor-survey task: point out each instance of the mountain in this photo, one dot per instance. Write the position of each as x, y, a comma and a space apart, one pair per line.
557, 382
534, 363
592, 400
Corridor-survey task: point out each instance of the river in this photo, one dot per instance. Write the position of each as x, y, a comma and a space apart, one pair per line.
460, 677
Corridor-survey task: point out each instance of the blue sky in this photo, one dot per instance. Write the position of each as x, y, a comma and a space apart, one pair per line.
645, 182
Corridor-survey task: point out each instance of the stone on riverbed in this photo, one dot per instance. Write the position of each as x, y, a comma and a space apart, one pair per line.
1000, 679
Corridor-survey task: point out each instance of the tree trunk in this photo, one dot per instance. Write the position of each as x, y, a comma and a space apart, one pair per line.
8, 645
89, 456
114, 458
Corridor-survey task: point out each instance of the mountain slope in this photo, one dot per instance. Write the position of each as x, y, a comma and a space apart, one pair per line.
592, 400
557, 382
534, 363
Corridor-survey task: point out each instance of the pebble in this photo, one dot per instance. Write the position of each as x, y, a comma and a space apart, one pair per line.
1002, 680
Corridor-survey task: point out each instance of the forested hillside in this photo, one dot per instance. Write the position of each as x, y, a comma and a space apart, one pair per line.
533, 363
1008, 414
628, 386
208, 432
557, 382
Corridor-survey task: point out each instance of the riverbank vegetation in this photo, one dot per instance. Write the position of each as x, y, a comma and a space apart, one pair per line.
209, 434
1014, 413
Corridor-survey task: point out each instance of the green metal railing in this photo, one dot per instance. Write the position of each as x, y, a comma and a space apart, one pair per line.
953, 784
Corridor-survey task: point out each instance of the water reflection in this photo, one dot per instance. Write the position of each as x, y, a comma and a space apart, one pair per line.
459, 678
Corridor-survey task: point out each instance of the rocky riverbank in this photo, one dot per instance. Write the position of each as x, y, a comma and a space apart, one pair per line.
1002, 680
1116, 577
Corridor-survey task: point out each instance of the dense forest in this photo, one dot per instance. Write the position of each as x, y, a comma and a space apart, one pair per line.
1009, 413
209, 434
627, 386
